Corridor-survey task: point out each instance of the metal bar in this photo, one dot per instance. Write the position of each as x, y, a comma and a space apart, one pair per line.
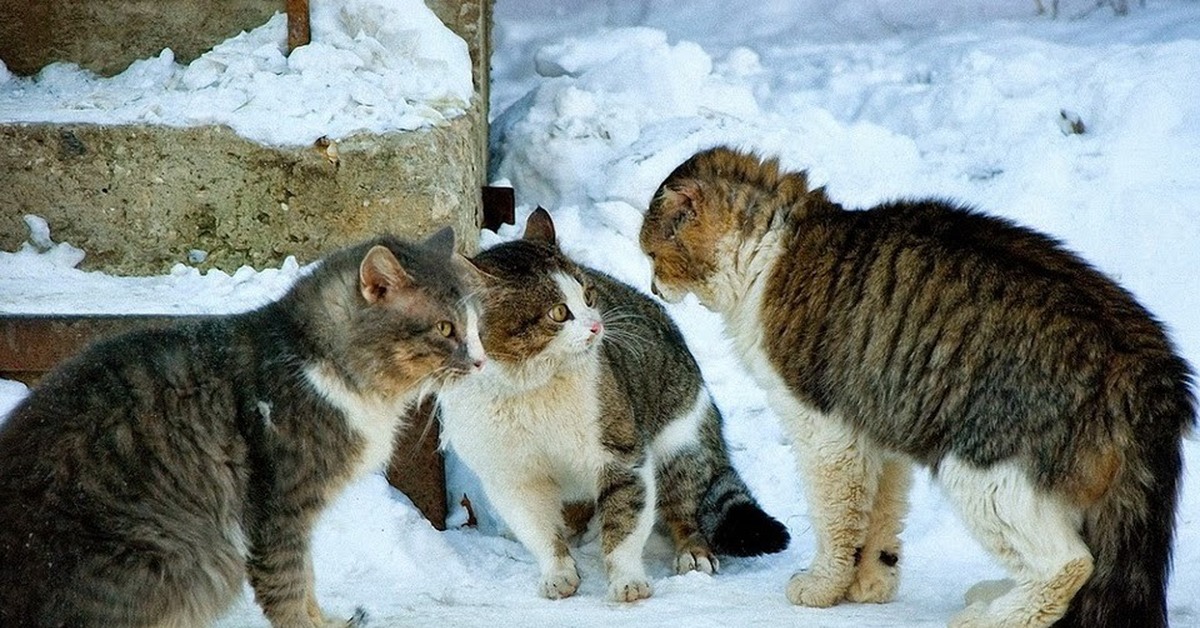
299, 33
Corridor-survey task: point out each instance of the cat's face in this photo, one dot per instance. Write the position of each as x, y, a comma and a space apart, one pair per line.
703, 221
538, 307
417, 330
683, 232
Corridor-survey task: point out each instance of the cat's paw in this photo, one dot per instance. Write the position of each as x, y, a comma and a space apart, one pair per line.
321, 620
875, 581
696, 559
630, 590
809, 589
560, 583
874, 588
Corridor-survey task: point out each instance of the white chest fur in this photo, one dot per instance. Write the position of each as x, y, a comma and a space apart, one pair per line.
548, 432
372, 418
744, 324
745, 327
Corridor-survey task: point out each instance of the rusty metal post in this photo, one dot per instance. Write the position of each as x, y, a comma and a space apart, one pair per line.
298, 24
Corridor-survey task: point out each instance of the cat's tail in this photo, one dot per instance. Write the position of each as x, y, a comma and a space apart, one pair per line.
1129, 532
732, 521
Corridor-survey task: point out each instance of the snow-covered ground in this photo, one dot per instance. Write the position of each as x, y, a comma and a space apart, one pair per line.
595, 102
372, 66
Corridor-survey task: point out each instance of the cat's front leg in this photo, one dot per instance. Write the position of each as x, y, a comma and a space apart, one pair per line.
532, 508
281, 573
839, 498
626, 508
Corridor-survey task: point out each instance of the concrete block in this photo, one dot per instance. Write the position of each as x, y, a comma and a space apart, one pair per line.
137, 199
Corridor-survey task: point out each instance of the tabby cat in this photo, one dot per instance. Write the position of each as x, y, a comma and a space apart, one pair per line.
142, 481
591, 396
1049, 404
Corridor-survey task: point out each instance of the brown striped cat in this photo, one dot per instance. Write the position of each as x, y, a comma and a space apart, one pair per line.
144, 480
591, 396
1049, 404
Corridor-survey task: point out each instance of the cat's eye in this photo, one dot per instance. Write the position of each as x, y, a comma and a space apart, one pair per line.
589, 296
559, 313
445, 328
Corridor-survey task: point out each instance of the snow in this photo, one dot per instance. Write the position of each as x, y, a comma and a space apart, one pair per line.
41, 278
372, 66
595, 102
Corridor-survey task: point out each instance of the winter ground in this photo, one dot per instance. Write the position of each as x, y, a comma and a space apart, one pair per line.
877, 100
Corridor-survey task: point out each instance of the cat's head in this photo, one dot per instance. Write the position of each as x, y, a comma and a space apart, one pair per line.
401, 317
708, 212
540, 310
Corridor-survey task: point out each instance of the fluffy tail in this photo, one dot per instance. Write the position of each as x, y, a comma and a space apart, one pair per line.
734, 524
1130, 531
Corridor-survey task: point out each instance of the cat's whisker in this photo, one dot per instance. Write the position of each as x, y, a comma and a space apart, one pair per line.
624, 344
617, 318
624, 327
625, 312
627, 341
430, 420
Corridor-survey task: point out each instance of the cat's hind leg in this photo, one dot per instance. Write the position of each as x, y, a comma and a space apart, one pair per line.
627, 514
169, 581
877, 577
834, 470
322, 620
682, 481
1034, 533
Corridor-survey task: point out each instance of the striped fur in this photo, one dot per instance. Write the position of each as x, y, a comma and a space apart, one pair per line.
925, 331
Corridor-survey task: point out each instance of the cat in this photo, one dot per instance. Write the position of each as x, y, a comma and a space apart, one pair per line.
142, 481
1048, 403
591, 396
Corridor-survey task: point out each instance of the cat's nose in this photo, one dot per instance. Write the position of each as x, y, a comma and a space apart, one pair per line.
480, 362
654, 289
596, 327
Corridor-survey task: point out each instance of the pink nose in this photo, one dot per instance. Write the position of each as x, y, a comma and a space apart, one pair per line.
479, 363
597, 327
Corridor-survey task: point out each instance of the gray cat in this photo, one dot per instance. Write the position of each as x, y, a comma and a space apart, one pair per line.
142, 481
1047, 401
592, 396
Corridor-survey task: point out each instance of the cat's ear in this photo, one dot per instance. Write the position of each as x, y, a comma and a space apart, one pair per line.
539, 227
380, 275
441, 242
685, 196
684, 200
468, 272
